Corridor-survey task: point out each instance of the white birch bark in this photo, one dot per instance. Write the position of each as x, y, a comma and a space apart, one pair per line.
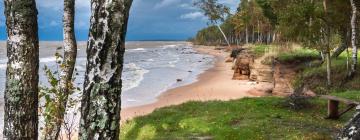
21, 91
101, 102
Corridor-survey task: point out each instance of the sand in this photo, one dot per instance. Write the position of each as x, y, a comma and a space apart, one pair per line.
214, 84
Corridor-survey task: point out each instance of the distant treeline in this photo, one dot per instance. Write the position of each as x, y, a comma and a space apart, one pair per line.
266, 21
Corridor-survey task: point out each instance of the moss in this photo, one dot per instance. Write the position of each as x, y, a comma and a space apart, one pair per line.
14, 89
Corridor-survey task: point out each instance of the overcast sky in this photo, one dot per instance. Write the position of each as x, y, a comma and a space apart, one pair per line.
149, 19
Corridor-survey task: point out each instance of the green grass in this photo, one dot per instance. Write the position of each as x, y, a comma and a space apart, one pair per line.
297, 55
248, 118
259, 50
350, 94
315, 77
253, 118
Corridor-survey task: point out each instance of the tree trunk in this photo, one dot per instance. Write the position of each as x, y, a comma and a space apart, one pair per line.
21, 91
101, 102
52, 129
351, 131
353, 38
258, 34
247, 34
222, 32
253, 35
327, 42
274, 37
347, 60
328, 66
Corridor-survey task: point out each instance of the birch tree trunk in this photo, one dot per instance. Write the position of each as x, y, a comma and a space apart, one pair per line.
101, 102
351, 130
70, 49
353, 38
222, 32
21, 91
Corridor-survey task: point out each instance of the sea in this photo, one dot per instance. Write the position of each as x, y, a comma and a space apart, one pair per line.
150, 68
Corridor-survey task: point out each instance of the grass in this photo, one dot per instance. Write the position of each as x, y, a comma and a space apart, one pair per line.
248, 118
297, 55
253, 118
315, 77
259, 50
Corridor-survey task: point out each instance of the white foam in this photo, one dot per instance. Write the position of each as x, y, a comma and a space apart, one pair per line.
48, 59
137, 50
131, 100
132, 76
169, 46
3, 66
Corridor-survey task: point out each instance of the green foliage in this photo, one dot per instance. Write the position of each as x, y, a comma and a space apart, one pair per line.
54, 98
314, 76
213, 10
260, 50
248, 118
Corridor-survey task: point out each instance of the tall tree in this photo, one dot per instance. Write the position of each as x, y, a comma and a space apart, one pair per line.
353, 38
101, 102
21, 91
215, 12
52, 129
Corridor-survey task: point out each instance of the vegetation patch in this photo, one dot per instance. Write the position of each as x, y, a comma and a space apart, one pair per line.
315, 77
297, 55
248, 118
259, 50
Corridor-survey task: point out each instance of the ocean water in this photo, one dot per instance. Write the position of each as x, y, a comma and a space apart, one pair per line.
150, 68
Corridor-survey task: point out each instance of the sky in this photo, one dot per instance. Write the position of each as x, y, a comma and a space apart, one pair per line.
149, 19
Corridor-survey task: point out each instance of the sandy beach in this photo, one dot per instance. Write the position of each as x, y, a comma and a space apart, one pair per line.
214, 84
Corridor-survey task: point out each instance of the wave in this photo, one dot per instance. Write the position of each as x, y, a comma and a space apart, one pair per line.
132, 76
136, 50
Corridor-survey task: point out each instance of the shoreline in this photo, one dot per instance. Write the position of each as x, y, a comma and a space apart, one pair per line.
214, 84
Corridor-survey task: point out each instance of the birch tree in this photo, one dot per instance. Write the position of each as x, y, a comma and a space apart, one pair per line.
353, 38
21, 91
215, 12
101, 102
53, 128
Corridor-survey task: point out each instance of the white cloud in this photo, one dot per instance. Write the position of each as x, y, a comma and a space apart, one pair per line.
193, 15
187, 6
53, 23
165, 3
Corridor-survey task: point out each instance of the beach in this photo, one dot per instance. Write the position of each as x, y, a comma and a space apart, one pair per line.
156, 75
214, 84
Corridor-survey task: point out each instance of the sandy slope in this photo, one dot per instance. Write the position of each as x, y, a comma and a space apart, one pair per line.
214, 84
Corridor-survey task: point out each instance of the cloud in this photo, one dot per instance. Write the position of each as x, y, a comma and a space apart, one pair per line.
193, 16
187, 6
53, 23
165, 3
